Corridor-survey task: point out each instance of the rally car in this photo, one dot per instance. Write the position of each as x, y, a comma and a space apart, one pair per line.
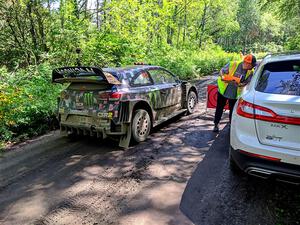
123, 102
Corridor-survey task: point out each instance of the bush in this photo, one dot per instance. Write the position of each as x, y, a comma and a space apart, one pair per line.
27, 100
190, 64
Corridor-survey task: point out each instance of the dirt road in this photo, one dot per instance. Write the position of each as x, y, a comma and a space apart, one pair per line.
54, 180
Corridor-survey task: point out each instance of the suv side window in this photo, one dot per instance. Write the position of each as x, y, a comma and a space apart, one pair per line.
160, 76
141, 79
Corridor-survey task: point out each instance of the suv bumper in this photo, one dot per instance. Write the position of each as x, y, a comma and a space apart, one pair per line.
265, 168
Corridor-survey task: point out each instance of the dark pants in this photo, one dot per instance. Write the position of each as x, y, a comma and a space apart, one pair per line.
221, 102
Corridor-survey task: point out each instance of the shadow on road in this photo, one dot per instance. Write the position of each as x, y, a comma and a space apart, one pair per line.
88, 180
214, 195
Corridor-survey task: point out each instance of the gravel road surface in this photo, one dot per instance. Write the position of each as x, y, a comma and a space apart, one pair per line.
55, 180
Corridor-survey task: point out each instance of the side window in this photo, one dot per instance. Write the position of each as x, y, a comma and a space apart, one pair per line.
162, 77
142, 79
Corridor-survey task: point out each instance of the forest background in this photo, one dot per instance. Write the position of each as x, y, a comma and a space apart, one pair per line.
189, 37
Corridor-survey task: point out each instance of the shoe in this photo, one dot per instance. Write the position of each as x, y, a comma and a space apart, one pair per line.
216, 128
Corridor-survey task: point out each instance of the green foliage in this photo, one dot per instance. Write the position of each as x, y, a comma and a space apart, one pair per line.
188, 64
288, 16
106, 50
27, 100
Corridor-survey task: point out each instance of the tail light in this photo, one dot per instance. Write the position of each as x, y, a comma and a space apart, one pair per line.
252, 111
115, 96
112, 96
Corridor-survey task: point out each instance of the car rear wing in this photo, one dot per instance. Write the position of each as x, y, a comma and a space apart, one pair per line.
82, 74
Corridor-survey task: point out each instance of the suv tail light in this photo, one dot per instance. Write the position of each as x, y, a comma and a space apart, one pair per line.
252, 111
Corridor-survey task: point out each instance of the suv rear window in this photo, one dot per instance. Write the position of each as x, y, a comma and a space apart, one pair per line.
280, 78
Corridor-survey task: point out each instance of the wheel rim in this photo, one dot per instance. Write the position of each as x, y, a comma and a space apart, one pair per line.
142, 126
192, 102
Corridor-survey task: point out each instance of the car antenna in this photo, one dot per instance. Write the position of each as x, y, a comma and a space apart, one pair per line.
78, 60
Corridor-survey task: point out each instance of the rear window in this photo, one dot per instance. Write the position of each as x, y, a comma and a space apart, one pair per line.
280, 78
89, 86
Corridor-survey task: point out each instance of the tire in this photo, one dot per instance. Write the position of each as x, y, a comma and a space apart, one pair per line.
141, 125
191, 102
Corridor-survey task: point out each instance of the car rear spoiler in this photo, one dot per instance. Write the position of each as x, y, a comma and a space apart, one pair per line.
82, 74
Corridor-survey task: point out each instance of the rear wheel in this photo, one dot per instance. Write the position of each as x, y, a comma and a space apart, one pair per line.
191, 102
141, 125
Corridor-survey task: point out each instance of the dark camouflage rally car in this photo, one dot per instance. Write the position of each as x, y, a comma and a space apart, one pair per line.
120, 102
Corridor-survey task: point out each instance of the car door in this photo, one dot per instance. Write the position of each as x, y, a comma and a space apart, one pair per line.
142, 86
170, 88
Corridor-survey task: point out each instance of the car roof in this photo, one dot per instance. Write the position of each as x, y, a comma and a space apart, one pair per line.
120, 72
127, 68
284, 56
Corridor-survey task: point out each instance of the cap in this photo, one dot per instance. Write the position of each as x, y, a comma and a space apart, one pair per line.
251, 59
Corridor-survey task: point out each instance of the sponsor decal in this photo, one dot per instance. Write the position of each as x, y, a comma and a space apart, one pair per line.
101, 106
79, 105
78, 112
116, 114
61, 110
74, 70
108, 115
111, 79
88, 99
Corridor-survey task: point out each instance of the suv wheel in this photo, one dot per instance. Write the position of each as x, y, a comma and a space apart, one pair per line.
141, 125
191, 102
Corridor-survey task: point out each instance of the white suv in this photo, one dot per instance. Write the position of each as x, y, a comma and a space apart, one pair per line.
265, 127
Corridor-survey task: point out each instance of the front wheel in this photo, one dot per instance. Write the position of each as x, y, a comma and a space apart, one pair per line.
191, 102
141, 125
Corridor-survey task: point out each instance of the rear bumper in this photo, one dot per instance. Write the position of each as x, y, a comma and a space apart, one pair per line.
265, 168
92, 130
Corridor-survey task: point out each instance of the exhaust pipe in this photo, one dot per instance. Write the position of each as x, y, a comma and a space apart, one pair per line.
265, 174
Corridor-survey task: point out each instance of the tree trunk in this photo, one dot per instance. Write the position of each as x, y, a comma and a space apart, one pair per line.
62, 13
49, 6
97, 14
178, 35
32, 31
170, 29
203, 23
41, 28
76, 9
185, 22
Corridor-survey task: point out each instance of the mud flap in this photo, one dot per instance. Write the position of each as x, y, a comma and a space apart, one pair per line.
125, 139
